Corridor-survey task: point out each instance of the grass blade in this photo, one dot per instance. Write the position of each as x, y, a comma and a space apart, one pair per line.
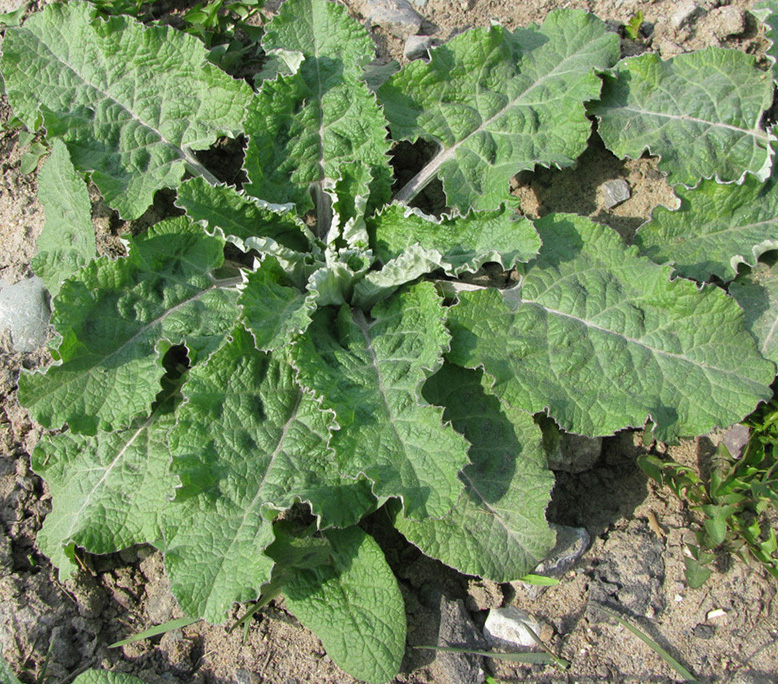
539, 580
530, 657
154, 631
664, 655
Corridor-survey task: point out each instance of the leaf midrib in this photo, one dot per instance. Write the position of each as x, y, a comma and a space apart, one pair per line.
182, 153
431, 169
258, 496
753, 133
637, 342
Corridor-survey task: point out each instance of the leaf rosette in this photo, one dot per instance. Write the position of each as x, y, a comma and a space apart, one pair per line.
341, 354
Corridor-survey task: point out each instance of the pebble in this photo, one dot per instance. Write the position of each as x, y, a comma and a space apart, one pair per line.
684, 14
396, 16
614, 192
736, 438
24, 309
729, 21
510, 626
243, 676
417, 47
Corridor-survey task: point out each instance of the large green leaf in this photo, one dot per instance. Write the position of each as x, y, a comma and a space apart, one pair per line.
603, 339
370, 372
716, 228
248, 443
354, 606
498, 529
67, 241
498, 102
245, 221
108, 491
700, 112
307, 129
464, 243
117, 320
131, 102
757, 293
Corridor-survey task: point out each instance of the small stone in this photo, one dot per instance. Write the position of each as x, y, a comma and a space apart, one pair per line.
715, 614
736, 438
417, 47
614, 192
511, 627
245, 677
703, 631
684, 14
396, 16
728, 21
24, 310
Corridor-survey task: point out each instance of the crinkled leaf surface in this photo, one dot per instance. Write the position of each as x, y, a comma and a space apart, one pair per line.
305, 130
130, 101
370, 371
716, 228
273, 309
245, 221
249, 441
700, 112
604, 339
119, 317
498, 529
464, 242
67, 241
354, 606
757, 293
498, 102
107, 490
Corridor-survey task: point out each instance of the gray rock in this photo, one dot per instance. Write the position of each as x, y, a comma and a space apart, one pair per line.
24, 310
728, 21
684, 14
510, 627
614, 192
417, 47
396, 16
571, 544
457, 628
245, 677
736, 438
